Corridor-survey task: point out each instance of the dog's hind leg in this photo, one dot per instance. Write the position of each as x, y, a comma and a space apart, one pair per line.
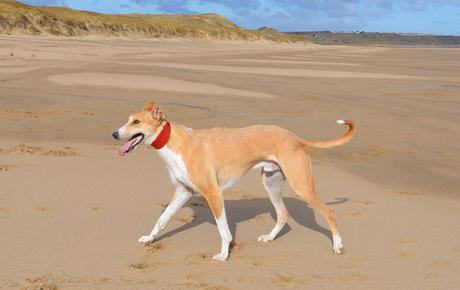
273, 182
296, 166
180, 197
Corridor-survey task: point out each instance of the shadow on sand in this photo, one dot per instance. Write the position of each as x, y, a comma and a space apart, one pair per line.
246, 209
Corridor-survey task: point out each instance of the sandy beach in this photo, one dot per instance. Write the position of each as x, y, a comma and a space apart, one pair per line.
71, 210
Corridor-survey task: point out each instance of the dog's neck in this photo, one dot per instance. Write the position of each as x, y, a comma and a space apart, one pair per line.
163, 137
171, 135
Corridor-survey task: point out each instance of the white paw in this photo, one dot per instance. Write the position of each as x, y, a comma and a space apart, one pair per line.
338, 246
220, 257
145, 239
265, 238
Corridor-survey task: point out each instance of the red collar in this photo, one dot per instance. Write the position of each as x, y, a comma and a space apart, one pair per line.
163, 137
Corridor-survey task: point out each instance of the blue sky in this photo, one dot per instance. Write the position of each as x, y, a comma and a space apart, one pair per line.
414, 16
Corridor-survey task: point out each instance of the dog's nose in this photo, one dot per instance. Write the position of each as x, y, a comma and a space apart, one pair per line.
115, 135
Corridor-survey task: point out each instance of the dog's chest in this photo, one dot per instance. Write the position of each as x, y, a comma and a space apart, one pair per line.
176, 166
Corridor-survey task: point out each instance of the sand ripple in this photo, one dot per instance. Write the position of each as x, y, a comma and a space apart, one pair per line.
149, 82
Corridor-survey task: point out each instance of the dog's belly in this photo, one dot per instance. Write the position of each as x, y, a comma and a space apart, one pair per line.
226, 181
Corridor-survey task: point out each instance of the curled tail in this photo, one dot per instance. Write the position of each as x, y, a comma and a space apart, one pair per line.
337, 142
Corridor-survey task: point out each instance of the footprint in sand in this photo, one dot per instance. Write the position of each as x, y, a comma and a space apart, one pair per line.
185, 220
406, 241
6, 167
437, 265
348, 261
238, 251
41, 282
152, 248
16, 115
96, 209
4, 209
443, 155
405, 193
139, 265
363, 202
402, 245
198, 258
199, 202
44, 209
39, 150
194, 282
352, 277
440, 264
404, 254
287, 281
353, 213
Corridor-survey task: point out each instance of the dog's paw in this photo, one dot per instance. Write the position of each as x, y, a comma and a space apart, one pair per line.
338, 250
265, 238
338, 245
145, 239
220, 257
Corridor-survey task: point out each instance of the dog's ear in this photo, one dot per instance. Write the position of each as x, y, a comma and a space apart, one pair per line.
149, 106
157, 113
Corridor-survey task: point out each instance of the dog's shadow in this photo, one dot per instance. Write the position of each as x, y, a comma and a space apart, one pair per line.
246, 209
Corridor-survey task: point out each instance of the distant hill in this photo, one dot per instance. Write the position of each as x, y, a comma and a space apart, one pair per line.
376, 38
16, 18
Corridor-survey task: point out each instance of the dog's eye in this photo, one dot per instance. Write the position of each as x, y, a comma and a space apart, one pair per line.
136, 121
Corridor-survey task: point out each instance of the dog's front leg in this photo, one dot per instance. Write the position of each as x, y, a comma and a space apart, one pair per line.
216, 203
180, 197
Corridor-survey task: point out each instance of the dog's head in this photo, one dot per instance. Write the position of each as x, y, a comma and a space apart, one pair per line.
141, 126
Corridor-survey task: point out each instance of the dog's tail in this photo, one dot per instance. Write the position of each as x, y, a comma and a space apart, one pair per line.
337, 142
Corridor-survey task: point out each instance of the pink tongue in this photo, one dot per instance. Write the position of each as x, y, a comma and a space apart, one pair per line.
123, 149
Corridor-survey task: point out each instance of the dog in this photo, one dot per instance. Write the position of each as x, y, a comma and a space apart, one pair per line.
210, 161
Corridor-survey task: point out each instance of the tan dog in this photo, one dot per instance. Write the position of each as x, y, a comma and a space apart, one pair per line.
210, 161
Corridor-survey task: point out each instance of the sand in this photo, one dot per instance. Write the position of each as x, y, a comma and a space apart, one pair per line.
71, 210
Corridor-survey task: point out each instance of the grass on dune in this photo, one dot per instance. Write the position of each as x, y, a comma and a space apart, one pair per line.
60, 21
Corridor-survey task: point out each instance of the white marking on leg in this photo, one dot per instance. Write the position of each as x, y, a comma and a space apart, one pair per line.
273, 183
338, 246
181, 196
225, 235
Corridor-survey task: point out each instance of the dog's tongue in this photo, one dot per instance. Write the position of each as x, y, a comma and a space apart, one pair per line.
124, 149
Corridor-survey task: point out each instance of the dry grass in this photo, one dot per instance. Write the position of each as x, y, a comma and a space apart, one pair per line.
60, 21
